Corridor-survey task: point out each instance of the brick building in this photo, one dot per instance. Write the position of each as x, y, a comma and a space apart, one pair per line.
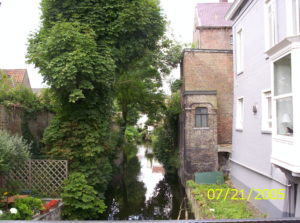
206, 94
18, 77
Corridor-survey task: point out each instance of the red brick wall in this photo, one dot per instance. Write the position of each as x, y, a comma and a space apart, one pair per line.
215, 38
212, 71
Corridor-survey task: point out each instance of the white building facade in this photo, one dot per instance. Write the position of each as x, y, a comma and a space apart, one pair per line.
266, 126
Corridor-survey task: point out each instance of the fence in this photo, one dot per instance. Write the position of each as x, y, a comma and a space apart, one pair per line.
44, 177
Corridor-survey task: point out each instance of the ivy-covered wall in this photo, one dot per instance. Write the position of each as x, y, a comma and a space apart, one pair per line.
15, 121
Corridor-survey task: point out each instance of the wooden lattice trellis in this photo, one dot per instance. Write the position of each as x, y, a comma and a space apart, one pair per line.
42, 176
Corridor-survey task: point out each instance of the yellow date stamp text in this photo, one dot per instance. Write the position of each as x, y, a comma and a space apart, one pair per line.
256, 194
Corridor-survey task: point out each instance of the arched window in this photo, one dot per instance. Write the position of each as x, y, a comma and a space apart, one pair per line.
201, 117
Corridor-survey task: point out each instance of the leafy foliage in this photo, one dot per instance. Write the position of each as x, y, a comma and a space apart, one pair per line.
131, 134
48, 99
91, 52
5, 83
176, 85
86, 148
13, 151
77, 69
223, 208
29, 106
27, 207
139, 87
22, 97
165, 138
81, 201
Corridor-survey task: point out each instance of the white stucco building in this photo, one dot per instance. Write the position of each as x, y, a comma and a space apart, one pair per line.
266, 126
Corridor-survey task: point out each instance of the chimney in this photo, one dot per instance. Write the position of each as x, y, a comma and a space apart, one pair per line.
223, 1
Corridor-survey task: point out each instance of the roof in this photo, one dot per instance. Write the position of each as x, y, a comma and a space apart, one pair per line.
234, 8
17, 75
213, 14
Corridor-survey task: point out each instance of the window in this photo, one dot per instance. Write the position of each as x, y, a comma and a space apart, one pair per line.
271, 30
240, 113
201, 117
239, 52
283, 96
295, 17
267, 111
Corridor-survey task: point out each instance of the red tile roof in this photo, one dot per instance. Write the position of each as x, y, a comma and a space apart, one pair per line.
213, 14
17, 75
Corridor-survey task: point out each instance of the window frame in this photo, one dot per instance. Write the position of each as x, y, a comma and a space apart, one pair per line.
240, 107
239, 51
201, 120
278, 97
270, 38
266, 95
291, 30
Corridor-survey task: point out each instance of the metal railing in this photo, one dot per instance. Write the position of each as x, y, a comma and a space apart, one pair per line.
279, 220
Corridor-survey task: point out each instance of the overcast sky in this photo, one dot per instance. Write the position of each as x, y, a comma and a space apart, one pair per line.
19, 18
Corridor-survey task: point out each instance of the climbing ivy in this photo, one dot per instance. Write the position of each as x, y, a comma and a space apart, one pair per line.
165, 139
82, 49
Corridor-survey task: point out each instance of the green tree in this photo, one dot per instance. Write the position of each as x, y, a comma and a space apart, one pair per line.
165, 140
139, 87
82, 50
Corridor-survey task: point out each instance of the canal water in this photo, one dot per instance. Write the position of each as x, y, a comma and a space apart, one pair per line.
142, 191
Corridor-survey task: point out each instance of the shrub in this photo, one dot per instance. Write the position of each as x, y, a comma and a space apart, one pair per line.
81, 201
132, 134
22, 97
27, 207
13, 151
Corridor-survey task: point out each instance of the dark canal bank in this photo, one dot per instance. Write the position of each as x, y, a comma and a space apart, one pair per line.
142, 191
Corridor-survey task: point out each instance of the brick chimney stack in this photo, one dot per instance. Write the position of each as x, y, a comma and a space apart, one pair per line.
223, 1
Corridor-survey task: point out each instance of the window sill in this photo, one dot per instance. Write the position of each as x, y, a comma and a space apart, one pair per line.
198, 128
265, 131
239, 130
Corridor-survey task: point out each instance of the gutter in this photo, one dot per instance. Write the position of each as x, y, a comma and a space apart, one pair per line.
206, 50
213, 27
233, 9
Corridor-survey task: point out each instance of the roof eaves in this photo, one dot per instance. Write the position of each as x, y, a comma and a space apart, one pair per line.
197, 16
212, 27
233, 9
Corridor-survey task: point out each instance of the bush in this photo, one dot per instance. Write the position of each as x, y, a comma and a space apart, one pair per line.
22, 97
28, 207
25, 209
13, 151
132, 135
81, 201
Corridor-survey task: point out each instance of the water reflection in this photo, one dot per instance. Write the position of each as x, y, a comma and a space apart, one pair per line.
151, 171
142, 191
